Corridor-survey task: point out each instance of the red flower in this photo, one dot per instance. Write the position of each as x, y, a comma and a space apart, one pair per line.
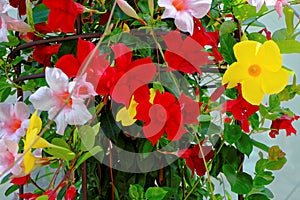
241, 110
194, 159
184, 55
63, 14
71, 65
207, 38
190, 110
284, 122
20, 180
43, 53
163, 116
127, 76
70, 193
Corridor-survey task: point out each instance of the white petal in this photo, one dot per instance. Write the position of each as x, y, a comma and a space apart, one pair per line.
165, 3
83, 88
79, 114
169, 13
60, 120
6, 110
57, 79
21, 110
12, 146
199, 8
43, 99
184, 22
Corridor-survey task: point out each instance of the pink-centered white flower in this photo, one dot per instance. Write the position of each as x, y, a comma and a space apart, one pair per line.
9, 23
63, 101
276, 3
183, 12
13, 120
8, 157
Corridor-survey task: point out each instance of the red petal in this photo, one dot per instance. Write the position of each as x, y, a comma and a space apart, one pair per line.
123, 56
20, 180
69, 65
83, 49
42, 54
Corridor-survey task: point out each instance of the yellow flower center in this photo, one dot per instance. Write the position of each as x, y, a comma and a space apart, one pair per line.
254, 70
179, 5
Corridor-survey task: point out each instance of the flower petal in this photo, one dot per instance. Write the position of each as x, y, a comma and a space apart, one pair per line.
184, 22
252, 91
79, 114
60, 121
235, 74
245, 51
69, 65
269, 56
43, 99
275, 82
124, 116
21, 110
6, 110
199, 8
57, 79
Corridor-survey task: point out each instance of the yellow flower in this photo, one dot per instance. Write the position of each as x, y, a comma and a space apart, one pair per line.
126, 116
258, 69
32, 140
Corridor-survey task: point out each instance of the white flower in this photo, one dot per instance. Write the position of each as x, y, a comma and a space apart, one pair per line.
183, 12
13, 120
9, 23
56, 97
8, 157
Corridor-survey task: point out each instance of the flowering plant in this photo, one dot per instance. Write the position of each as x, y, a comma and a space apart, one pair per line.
143, 99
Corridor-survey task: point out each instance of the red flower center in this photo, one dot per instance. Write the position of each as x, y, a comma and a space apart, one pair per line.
179, 5
64, 98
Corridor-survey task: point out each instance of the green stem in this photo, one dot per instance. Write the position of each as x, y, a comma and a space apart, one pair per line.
260, 145
193, 188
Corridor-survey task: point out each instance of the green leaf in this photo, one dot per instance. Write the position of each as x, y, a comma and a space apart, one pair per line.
87, 136
40, 13
244, 144
257, 37
227, 27
67, 47
276, 165
245, 11
280, 35
288, 46
289, 19
274, 101
44, 197
257, 197
240, 182
262, 179
17, 60
254, 121
61, 152
227, 42
287, 93
136, 192
204, 118
109, 125
232, 133
95, 150
11, 190
60, 142
155, 193
4, 93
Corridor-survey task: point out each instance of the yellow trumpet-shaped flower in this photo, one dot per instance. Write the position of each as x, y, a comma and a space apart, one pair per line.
126, 116
258, 69
32, 140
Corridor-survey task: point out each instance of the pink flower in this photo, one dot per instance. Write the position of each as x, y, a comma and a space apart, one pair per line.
8, 156
13, 120
277, 3
9, 23
56, 97
183, 11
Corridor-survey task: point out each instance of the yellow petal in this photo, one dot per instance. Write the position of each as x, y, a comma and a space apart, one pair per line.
246, 51
124, 116
152, 95
41, 143
235, 74
275, 82
269, 56
35, 122
29, 161
132, 108
252, 91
